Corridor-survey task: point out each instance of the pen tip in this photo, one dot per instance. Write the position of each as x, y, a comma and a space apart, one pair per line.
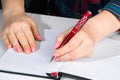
52, 59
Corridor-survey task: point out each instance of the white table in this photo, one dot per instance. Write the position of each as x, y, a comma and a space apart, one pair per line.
43, 22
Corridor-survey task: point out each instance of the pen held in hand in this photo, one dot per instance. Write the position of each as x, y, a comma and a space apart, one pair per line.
76, 28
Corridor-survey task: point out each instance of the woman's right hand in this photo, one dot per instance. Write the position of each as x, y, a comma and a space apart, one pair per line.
20, 32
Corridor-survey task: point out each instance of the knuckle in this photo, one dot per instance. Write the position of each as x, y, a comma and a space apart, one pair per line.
14, 25
20, 24
25, 25
72, 56
71, 45
11, 37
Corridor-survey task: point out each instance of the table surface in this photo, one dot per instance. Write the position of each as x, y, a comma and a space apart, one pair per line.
43, 22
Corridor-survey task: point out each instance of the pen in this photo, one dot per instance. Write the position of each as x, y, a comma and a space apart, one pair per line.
76, 28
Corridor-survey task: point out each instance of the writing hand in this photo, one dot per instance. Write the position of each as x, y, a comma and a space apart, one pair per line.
81, 45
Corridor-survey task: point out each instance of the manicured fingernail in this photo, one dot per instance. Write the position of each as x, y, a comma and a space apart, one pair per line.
57, 59
9, 46
33, 49
39, 37
19, 50
27, 51
55, 54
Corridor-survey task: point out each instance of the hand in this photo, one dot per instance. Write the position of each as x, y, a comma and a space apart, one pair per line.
20, 32
81, 45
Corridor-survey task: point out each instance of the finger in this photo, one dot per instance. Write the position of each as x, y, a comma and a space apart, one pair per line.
22, 40
79, 52
29, 37
6, 41
61, 37
72, 44
35, 32
13, 40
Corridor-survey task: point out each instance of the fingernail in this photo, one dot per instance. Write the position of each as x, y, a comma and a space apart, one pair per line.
9, 46
27, 51
33, 49
57, 60
39, 37
19, 50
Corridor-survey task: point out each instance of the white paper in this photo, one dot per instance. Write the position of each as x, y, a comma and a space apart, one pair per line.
104, 64
36, 63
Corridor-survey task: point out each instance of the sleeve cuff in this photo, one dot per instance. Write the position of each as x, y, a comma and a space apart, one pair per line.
114, 9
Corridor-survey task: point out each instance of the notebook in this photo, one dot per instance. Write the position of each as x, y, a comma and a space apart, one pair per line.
105, 59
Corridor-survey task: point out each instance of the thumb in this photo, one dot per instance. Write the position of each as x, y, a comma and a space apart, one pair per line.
61, 38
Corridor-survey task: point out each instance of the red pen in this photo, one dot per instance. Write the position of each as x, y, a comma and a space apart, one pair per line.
76, 28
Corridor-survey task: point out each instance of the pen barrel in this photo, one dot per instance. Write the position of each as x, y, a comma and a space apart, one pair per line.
71, 34
83, 20
77, 27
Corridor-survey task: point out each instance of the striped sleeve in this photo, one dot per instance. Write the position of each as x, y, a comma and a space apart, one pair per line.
114, 7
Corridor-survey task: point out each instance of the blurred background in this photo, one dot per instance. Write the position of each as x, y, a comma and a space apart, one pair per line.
42, 7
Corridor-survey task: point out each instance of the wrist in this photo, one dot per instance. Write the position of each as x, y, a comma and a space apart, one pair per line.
10, 13
101, 25
89, 30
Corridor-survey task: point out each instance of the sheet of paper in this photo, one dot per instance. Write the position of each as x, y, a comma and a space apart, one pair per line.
36, 63
104, 64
